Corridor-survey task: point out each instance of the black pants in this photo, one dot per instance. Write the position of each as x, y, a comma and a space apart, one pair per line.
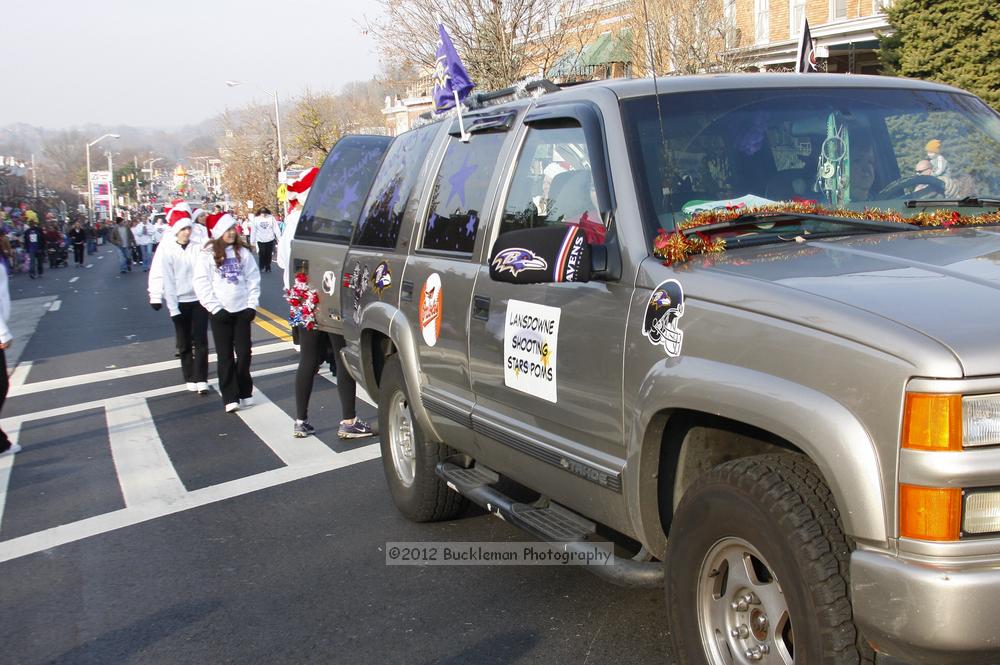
266, 251
231, 332
191, 328
37, 264
78, 253
4, 385
315, 348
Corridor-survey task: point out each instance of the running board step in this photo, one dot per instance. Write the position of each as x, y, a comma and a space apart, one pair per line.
551, 523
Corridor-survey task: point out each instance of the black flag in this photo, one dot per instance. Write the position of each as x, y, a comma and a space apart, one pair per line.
806, 61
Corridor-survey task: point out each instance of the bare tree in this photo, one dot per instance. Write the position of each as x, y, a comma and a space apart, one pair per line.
249, 154
64, 161
320, 119
500, 41
685, 36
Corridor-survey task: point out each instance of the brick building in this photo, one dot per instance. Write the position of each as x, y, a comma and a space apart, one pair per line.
845, 32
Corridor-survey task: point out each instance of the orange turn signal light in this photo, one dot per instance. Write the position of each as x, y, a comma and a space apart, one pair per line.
932, 422
930, 513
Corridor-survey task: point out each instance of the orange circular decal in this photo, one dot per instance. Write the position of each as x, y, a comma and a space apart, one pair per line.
430, 309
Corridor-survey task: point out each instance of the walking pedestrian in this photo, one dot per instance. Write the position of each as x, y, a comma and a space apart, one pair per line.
122, 238
144, 234
6, 338
77, 238
262, 232
34, 246
227, 283
176, 259
315, 346
54, 245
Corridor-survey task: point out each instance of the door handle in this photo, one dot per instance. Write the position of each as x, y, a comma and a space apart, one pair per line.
406, 291
481, 308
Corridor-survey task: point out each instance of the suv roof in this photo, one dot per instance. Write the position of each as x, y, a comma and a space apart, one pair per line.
625, 88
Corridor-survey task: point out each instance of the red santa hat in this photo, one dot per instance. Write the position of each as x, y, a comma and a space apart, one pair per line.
177, 213
218, 223
299, 188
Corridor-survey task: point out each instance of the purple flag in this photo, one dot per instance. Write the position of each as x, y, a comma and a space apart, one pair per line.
449, 74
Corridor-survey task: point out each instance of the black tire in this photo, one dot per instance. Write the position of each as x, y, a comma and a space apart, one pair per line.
780, 506
427, 498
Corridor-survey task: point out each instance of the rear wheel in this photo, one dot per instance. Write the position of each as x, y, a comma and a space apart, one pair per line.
408, 459
757, 569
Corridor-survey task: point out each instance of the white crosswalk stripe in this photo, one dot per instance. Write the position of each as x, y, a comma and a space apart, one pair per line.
119, 373
6, 463
272, 426
150, 485
144, 469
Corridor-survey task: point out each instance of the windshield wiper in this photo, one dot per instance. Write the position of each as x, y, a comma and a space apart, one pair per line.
755, 219
967, 202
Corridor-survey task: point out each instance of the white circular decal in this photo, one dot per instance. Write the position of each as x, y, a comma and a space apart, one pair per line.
430, 310
329, 283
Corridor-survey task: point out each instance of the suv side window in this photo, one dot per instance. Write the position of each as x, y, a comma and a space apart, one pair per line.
552, 184
460, 192
393, 186
334, 202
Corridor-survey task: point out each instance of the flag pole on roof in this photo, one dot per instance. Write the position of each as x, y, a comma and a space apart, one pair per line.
451, 82
806, 60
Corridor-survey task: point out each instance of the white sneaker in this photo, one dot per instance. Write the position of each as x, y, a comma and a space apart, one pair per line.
245, 402
13, 450
202, 387
232, 406
192, 387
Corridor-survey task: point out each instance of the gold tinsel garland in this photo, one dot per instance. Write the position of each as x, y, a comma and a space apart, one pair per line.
676, 246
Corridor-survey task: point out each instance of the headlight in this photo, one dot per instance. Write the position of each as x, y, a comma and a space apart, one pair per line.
982, 512
981, 420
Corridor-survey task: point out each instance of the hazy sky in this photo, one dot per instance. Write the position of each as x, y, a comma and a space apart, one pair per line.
163, 62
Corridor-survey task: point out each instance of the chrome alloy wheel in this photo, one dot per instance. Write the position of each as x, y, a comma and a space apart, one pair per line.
400, 434
742, 612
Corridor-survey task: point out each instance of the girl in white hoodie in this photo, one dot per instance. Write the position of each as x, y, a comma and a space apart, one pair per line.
227, 283
177, 256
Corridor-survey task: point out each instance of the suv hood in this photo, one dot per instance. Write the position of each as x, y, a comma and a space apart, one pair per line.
944, 283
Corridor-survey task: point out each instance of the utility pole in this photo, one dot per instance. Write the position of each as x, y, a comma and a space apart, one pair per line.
111, 190
34, 178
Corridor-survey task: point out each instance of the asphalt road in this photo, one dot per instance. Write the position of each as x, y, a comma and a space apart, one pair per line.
142, 524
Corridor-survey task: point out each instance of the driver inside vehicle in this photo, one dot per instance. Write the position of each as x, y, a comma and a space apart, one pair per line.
862, 170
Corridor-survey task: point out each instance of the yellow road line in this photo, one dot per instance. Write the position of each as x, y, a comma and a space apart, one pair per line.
280, 320
273, 329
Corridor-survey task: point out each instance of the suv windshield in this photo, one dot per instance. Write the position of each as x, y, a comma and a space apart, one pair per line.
844, 148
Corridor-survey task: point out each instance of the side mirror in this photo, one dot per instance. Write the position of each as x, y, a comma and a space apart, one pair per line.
545, 254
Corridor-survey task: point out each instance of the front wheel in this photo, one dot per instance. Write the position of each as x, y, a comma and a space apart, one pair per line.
408, 459
757, 569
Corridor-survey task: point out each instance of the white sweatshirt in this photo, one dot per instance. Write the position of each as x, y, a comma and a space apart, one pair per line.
143, 232
283, 255
233, 286
263, 229
199, 236
5, 334
178, 274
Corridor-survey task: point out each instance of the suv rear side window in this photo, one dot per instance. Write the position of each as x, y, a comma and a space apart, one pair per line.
460, 192
552, 184
393, 186
334, 202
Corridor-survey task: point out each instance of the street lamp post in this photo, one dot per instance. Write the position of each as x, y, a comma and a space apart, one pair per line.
150, 169
277, 124
90, 190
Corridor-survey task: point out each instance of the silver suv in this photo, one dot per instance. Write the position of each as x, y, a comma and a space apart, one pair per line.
693, 317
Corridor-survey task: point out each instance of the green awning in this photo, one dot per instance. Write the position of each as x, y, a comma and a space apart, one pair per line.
608, 48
